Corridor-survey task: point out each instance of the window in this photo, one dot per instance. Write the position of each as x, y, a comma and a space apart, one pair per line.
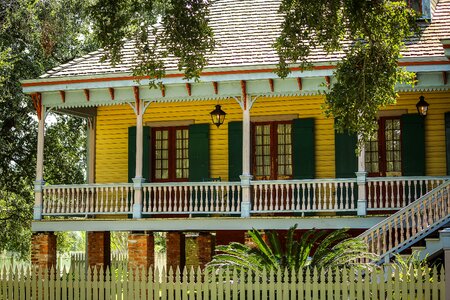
415, 5
383, 151
170, 154
272, 150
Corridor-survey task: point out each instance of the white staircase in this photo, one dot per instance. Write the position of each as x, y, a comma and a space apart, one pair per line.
410, 224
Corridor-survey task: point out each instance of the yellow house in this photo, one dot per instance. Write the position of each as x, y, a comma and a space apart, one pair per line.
157, 163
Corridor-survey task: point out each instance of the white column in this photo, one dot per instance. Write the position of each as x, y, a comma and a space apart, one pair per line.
138, 180
91, 150
361, 177
37, 211
246, 154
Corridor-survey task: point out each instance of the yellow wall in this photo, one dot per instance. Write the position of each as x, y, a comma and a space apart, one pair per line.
113, 123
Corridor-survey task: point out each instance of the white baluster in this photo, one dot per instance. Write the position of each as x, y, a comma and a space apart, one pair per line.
398, 184
376, 195
331, 198
306, 196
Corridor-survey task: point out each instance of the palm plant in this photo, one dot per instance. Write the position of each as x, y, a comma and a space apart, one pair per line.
332, 250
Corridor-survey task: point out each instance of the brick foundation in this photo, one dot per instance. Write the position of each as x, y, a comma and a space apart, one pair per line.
43, 250
205, 246
99, 249
141, 250
175, 250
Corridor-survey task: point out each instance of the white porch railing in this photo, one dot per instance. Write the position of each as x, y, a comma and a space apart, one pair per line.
277, 196
409, 224
83, 199
304, 195
192, 198
385, 193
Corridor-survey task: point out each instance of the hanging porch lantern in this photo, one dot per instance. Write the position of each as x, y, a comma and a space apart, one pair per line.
422, 106
218, 116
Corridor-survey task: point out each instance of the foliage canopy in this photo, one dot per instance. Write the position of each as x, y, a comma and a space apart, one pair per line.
34, 37
369, 35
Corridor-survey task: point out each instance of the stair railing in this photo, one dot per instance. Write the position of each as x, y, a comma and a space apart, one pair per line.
410, 224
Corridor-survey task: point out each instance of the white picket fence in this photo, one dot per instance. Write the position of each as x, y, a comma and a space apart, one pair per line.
382, 283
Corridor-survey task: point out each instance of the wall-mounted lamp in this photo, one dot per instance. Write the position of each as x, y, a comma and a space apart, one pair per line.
218, 116
422, 106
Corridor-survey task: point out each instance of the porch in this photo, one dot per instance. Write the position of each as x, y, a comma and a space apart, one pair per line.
349, 196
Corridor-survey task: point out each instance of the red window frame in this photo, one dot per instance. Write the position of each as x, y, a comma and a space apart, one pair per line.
273, 150
172, 148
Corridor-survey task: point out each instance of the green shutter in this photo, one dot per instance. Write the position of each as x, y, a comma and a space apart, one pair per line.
346, 161
198, 152
147, 152
447, 140
146, 170
303, 148
413, 145
131, 153
234, 151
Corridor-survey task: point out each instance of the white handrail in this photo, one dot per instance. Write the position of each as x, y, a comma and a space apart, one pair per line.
410, 222
85, 199
192, 198
386, 193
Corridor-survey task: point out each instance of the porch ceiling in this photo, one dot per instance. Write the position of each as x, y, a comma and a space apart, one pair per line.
206, 224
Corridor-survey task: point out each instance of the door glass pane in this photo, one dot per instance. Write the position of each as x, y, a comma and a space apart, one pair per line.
262, 150
161, 154
181, 156
393, 148
371, 149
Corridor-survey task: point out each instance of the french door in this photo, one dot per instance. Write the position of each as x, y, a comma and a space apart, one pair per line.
384, 150
272, 150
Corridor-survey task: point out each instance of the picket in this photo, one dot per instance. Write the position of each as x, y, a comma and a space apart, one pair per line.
96, 284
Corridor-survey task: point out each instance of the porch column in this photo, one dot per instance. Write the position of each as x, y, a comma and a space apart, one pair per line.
361, 177
91, 149
138, 180
246, 176
39, 183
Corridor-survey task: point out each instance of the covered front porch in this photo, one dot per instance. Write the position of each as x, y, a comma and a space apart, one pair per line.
136, 112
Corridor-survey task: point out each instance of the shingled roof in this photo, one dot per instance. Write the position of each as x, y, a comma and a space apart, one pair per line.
246, 30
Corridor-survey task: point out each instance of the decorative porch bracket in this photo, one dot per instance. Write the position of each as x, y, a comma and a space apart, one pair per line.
139, 108
246, 102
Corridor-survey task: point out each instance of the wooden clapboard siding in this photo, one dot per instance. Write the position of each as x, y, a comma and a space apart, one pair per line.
113, 123
435, 160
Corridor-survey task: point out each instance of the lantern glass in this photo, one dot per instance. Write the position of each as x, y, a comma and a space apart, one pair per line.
422, 106
218, 116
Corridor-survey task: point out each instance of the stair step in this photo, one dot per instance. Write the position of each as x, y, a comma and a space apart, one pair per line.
418, 248
432, 240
